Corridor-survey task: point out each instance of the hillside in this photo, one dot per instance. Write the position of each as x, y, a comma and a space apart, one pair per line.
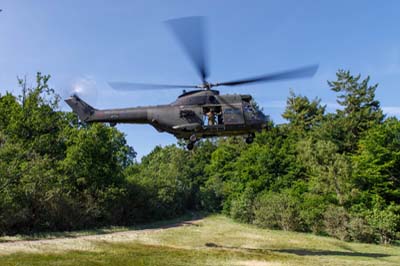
214, 240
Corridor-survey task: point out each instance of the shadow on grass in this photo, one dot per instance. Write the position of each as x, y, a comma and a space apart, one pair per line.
303, 252
186, 219
307, 252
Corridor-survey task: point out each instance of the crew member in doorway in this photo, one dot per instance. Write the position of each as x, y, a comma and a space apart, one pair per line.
211, 117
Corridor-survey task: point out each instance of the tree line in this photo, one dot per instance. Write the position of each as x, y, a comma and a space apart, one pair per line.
335, 174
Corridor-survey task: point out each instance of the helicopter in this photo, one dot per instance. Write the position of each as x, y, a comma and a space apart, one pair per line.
198, 113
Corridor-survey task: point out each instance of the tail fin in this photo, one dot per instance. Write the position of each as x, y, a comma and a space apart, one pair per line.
81, 108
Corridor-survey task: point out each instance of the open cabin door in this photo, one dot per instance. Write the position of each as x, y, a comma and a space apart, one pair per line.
212, 116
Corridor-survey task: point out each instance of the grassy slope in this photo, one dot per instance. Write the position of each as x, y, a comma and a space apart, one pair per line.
215, 240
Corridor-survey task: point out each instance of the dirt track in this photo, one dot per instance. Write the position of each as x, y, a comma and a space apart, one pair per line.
83, 243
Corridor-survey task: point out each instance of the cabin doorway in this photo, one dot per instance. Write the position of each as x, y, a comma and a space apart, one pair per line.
212, 116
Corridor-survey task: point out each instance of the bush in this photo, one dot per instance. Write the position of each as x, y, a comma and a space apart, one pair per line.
312, 212
384, 222
211, 195
360, 230
242, 207
278, 211
336, 222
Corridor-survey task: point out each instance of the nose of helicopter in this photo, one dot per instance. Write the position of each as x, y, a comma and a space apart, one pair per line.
264, 118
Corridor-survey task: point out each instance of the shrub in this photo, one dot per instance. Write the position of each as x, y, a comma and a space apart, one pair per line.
242, 207
336, 222
312, 212
384, 222
211, 195
278, 211
360, 230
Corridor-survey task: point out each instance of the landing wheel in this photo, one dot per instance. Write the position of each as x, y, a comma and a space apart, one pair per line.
190, 146
192, 141
249, 140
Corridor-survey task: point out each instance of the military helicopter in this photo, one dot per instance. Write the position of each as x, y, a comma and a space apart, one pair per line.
199, 113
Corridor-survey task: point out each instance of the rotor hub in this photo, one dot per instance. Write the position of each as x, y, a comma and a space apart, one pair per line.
207, 85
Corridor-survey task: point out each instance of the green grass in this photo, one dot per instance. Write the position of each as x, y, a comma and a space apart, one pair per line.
135, 254
215, 240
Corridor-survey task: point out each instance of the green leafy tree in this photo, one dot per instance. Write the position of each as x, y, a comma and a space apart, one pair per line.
270, 163
95, 157
54, 173
197, 162
361, 110
162, 174
8, 108
329, 171
302, 113
377, 163
220, 171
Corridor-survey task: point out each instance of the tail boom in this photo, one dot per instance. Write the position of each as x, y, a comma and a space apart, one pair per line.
87, 113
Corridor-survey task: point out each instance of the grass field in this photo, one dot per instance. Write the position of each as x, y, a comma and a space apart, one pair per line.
214, 240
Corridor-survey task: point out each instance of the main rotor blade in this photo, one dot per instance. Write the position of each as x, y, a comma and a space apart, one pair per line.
129, 86
190, 32
302, 72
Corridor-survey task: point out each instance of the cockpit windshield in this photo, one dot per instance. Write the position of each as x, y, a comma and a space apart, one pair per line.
249, 107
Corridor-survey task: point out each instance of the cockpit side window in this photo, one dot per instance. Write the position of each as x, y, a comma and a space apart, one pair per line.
248, 107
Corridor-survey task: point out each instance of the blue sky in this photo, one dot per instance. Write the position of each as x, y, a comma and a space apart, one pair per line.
84, 44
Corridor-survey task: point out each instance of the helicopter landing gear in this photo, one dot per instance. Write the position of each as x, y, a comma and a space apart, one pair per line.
250, 138
192, 141
190, 146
